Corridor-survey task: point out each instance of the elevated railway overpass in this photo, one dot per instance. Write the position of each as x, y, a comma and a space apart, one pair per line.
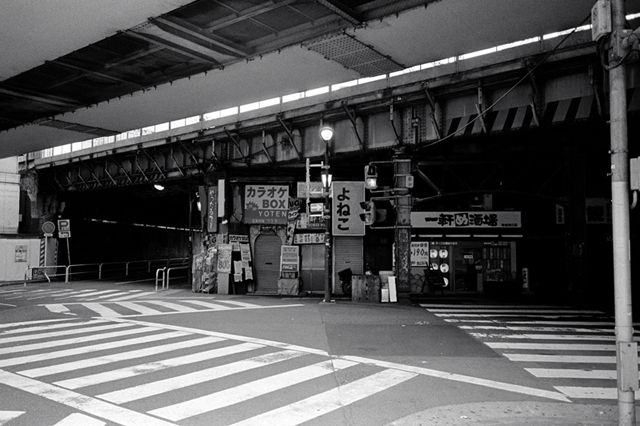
520, 130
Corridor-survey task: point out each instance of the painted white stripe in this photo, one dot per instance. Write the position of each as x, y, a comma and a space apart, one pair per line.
48, 335
545, 329
570, 373
551, 346
174, 306
76, 419
508, 387
5, 416
14, 290
435, 306
515, 311
133, 296
202, 376
139, 308
582, 359
101, 310
8, 304
20, 324
563, 337
24, 359
57, 308
213, 306
418, 370
255, 340
49, 327
122, 356
246, 391
87, 404
136, 370
331, 400
76, 293
107, 296
236, 303
588, 392
95, 293
531, 323
523, 315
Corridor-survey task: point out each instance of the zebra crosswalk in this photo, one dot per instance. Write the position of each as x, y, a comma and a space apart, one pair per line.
572, 349
112, 308
128, 373
88, 294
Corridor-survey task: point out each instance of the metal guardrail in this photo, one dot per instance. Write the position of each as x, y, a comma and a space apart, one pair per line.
163, 276
99, 270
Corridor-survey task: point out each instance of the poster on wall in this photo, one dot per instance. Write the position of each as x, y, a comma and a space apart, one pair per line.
266, 204
346, 209
224, 258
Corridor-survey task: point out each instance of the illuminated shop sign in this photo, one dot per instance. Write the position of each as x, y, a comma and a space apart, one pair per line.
472, 219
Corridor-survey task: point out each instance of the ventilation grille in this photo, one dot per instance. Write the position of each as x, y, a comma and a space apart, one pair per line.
80, 128
354, 55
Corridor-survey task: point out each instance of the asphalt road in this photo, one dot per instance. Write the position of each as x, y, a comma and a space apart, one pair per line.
99, 353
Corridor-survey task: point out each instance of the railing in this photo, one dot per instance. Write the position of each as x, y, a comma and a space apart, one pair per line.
163, 276
101, 270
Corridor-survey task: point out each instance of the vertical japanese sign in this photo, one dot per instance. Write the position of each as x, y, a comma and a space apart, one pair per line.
212, 210
346, 209
268, 204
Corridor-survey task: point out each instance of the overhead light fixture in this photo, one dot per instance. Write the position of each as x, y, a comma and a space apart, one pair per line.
158, 187
326, 133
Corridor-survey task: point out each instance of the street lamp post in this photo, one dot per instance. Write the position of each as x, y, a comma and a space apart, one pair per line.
326, 133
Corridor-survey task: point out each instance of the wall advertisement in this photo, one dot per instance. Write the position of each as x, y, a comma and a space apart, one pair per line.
266, 204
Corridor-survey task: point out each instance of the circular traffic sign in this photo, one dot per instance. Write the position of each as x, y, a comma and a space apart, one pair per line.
48, 227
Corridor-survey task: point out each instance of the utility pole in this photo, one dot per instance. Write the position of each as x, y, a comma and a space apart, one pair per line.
403, 182
626, 349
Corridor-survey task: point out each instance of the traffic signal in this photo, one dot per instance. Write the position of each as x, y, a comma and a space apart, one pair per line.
369, 214
378, 212
370, 177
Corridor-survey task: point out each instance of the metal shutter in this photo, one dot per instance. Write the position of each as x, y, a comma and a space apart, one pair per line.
267, 263
348, 252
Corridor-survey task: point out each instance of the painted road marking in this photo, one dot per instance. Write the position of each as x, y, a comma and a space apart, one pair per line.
570, 373
574, 359
383, 364
551, 346
6, 416
331, 400
179, 382
227, 397
87, 404
588, 392
136, 370
93, 327
76, 419
93, 348
121, 356
8, 304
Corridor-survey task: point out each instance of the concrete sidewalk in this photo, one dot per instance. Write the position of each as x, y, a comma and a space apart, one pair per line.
515, 414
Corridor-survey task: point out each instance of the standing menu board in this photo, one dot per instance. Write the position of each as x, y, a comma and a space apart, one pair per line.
289, 259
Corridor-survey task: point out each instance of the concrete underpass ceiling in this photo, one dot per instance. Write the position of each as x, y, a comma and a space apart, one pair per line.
36, 33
